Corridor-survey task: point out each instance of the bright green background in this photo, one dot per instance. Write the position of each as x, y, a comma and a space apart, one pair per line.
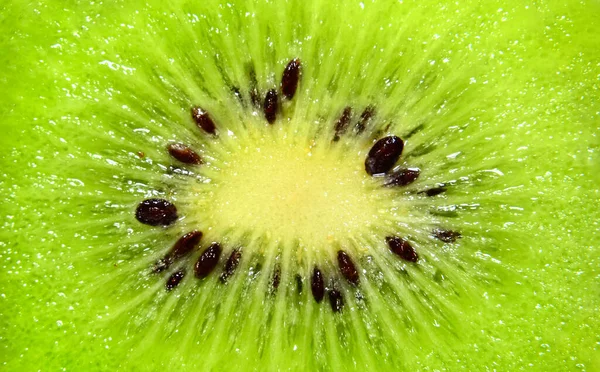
519, 93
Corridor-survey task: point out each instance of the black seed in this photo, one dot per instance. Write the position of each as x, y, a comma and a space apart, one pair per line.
299, 283
270, 106
383, 155
402, 248
203, 120
402, 177
231, 264
336, 300
276, 278
365, 117
447, 236
289, 80
182, 246
155, 212
175, 279
317, 285
347, 268
341, 125
207, 261
183, 153
434, 191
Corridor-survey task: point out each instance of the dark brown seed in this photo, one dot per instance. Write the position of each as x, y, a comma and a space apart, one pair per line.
208, 260
434, 191
186, 243
299, 283
175, 279
336, 300
203, 120
402, 248
317, 285
347, 268
270, 106
183, 153
182, 246
289, 80
276, 278
231, 264
383, 155
365, 117
156, 212
447, 236
341, 125
402, 177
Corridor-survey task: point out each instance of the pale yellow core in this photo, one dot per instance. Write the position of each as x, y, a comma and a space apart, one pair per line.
292, 192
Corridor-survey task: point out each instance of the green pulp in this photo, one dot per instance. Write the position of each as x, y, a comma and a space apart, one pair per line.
508, 98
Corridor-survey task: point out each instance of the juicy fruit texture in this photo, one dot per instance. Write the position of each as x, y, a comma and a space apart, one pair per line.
480, 94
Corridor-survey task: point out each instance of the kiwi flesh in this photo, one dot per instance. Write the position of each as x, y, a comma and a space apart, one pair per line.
128, 126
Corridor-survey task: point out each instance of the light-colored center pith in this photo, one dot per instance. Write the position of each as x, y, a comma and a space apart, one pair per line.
291, 192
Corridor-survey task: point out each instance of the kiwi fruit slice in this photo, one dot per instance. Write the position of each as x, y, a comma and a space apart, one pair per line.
299, 185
